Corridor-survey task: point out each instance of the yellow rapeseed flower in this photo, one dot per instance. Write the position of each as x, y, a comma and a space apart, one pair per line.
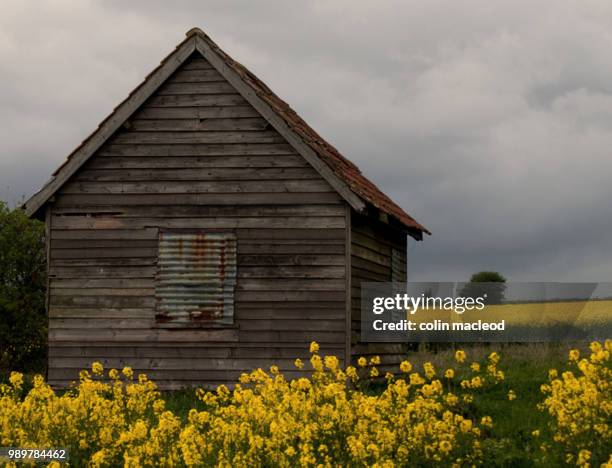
574, 355
583, 457
97, 368
16, 379
405, 366
460, 356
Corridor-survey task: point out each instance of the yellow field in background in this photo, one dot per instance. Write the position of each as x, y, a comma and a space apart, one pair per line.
579, 313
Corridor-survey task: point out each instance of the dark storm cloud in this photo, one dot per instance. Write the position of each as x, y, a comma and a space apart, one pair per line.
490, 122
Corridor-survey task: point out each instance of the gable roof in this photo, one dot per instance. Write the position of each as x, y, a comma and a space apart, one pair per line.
340, 173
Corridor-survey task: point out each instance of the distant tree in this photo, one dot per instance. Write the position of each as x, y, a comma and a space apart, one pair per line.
487, 277
491, 283
23, 322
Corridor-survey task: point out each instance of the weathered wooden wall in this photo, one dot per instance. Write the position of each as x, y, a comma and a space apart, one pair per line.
372, 244
196, 155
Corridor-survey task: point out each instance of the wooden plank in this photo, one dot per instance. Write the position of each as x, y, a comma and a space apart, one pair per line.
224, 112
95, 272
370, 255
67, 313
366, 265
146, 323
110, 125
347, 288
103, 262
194, 174
233, 149
102, 322
116, 235
290, 249
150, 335
200, 137
330, 242
280, 260
209, 87
283, 233
243, 314
326, 306
310, 271
104, 253
104, 243
191, 343
225, 186
291, 233
198, 124
196, 100
289, 312
195, 76
218, 199
112, 302
140, 352
197, 63
281, 284
106, 292
376, 245
122, 283
87, 222
47, 254
269, 295
196, 162
292, 325
293, 337
366, 275
198, 211
161, 363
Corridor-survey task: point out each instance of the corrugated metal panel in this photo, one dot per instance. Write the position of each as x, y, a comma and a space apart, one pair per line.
196, 278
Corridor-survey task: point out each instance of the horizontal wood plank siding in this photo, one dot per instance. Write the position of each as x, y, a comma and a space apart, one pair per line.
196, 155
372, 243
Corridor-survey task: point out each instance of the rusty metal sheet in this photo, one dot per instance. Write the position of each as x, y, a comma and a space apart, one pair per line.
196, 278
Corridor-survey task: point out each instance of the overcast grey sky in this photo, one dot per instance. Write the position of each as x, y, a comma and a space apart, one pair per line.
489, 122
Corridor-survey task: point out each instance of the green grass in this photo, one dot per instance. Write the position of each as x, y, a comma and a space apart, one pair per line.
526, 367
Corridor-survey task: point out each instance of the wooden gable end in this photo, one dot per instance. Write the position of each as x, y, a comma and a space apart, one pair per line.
196, 137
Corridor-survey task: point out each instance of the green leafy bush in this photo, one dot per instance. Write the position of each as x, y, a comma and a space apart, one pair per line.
23, 322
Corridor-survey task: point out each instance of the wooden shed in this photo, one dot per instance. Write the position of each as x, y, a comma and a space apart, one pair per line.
204, 229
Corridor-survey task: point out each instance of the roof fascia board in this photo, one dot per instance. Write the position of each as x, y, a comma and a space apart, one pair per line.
279, 124
110, 125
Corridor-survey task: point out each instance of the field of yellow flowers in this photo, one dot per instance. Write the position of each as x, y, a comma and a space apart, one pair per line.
421, 416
